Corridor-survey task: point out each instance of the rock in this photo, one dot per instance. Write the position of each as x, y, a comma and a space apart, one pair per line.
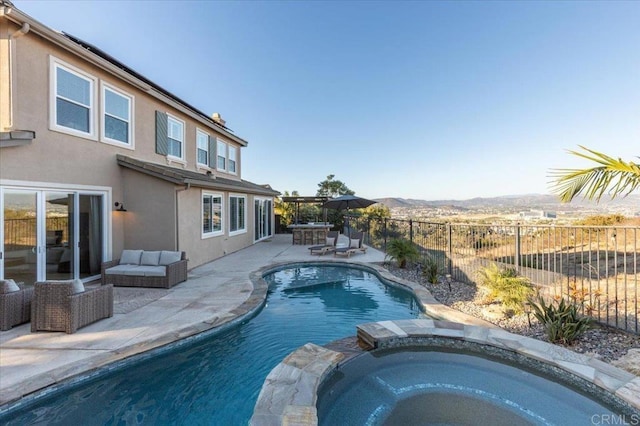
630, 361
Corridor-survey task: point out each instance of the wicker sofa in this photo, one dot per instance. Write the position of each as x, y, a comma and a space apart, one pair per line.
67, 305
139, 268
15, 304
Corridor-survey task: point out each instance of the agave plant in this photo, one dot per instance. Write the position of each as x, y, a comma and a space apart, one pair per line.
561, 321
617, 177
402, 251
430, 269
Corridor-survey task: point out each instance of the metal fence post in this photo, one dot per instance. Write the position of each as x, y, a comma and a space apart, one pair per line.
411, 230
384, 234
450, 248
517, 254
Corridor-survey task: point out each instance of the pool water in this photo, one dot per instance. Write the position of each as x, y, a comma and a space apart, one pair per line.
216, 381
420, 386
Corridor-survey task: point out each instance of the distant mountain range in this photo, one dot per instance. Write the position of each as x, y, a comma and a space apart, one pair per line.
516, 202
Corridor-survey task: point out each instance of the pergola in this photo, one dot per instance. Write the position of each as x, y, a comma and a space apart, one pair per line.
306, 200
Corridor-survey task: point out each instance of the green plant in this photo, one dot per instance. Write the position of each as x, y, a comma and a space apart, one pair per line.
430, 269
610, 176
504, 285
561, 321
402, 251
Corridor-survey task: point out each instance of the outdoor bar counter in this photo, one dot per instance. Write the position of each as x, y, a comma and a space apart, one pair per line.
310, 233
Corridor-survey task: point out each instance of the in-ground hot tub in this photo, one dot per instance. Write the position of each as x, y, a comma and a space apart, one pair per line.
418, 385
425, 371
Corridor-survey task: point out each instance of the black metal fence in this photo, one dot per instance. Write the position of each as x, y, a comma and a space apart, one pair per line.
598, 267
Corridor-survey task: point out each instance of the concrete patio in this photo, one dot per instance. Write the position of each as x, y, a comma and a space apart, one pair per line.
146, 318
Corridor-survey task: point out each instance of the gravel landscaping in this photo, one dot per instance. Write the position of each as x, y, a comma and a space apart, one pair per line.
610, 345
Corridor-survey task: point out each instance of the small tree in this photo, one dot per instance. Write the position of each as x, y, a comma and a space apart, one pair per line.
333, 188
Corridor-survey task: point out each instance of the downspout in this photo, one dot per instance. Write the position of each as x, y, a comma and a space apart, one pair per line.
186, 188
17, 33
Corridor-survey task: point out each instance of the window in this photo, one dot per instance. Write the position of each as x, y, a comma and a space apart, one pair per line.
202, 142
232, 159
211, 214
72, 100
175, 135
117, 116
237, 214
222, 155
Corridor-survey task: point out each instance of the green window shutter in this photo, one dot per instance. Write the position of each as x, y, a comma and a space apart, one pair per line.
162, 139
212, 152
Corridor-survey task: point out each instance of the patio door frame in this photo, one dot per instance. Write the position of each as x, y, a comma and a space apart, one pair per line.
263, 220
40, 191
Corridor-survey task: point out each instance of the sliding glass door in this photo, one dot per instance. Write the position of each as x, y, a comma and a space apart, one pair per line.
20, 236
263, 211
51, 235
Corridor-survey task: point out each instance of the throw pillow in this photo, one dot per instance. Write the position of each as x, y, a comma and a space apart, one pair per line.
8, 286
331, 241
169, 257
151, 258
130, 257
355, 244
77, 286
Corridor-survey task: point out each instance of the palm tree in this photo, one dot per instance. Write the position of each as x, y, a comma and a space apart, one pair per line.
616, 177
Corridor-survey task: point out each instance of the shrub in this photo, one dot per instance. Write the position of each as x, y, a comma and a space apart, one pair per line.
561, 321
430, 269
504, 285
402, 251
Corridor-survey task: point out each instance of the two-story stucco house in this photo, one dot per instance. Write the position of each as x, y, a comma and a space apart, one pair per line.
95, 158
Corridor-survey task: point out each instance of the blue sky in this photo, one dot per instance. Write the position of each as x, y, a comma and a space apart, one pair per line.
429, 100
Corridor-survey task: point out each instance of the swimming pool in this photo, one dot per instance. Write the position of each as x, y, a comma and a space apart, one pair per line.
217, 380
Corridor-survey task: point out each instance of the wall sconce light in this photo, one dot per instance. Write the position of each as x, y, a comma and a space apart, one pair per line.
120, 207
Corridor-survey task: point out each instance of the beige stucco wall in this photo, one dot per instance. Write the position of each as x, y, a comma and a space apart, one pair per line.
203, 249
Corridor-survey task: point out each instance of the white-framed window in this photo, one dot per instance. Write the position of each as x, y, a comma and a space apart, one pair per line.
232, 160
212, 220
222, 155
117, 116
237, 214
202, 148
175, 136
72, 100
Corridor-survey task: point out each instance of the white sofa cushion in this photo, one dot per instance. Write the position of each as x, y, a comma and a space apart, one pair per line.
117, 270
77, 286
134, 271
153, 271
130, 257
355, 244
331, 241
169, 257
151, 258
8, 286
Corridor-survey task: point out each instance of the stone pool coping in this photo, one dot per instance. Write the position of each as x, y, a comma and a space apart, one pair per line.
289, 393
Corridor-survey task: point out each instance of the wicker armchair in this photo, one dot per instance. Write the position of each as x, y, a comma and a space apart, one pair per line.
15, 308
56, 307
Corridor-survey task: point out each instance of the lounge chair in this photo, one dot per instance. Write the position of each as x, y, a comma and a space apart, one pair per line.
332, 240
355, 245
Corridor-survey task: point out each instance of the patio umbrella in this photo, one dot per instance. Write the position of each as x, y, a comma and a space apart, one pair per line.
346, 202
